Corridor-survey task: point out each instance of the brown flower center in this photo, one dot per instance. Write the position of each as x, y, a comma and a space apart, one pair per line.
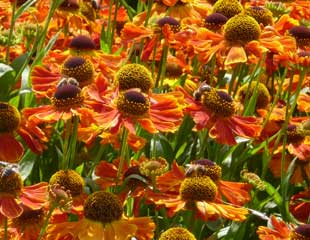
302, 35
228, 8
29, 218
301, 233
172, 22
177, 233
82, 42
103, 207
215, 21
69, 5
70, 180
134, 177
293, 134
10, 181
154, 167
134, 76
218, 102
67, 95
9, 118
198, 189
78, 68
260, 14
241, 29
133, 103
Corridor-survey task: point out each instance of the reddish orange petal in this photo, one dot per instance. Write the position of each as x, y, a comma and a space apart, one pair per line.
222, 132
235, 192
9, 207
34, 196
10, 149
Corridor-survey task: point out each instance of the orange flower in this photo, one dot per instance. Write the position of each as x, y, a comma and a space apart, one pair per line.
103, 219
200, 189
154, 112
14, 194
303, 102
300, 205
301, 170
66, 102
242, 41
215, 110
279, 230
11, 150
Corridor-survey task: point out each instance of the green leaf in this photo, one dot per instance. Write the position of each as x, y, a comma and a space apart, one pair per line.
273, 193
27, 163
18, 62
4, 69
181, 150
24, 8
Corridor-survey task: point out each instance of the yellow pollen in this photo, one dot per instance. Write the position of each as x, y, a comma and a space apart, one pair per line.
247, 90
177, 233
260, 14
133, 103
228, 8
70, 180
103, 207
9, 118
218, 102
153, 167
10, 182
198, 189
80, 69
134, 76
241, 29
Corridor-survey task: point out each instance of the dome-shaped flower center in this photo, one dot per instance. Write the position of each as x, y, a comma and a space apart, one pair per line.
82, 42
198, 189
247, 90
103, 207
302, 35
10, 181
302, 232
173, 70
294, 134
228, 8
154, 167
88, 11
132, 103
241, 29
134, 76
260, 14
29, 218
9, 118
70, 180
304, 54
134, 177
67, 95
215, 21
177, 233
172, 22
218, 102
212, 170
79, 68
69, 5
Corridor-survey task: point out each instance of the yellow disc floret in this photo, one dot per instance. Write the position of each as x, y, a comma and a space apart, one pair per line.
198, 189
228, 8
103, 207
78, 68
302, 232
177, 233
10, 182
133, 103
70, 180
218, 102
153, 167
241, 29
9, 118
260, 14
247, 90
134, 76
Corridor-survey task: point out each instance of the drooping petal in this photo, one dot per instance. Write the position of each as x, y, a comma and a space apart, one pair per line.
11, 150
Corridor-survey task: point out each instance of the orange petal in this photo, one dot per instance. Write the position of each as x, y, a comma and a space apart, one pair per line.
235, 55
10, 208
10, 149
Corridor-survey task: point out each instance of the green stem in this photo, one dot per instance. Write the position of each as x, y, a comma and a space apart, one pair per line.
46, 220
162, 67
148, 13
7, 58
65, 152
123, 155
